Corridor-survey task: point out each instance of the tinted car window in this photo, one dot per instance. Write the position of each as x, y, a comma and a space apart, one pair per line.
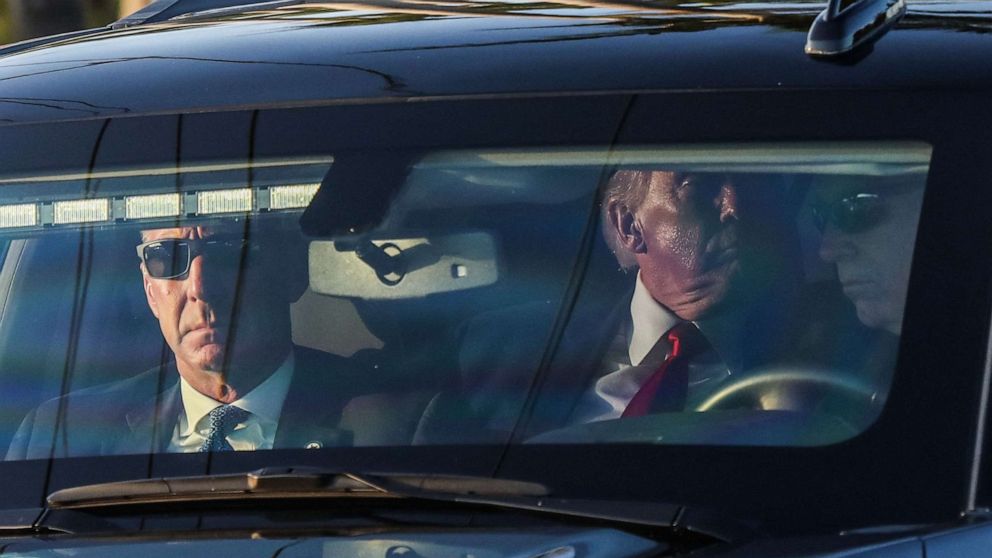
424, 297
762, 263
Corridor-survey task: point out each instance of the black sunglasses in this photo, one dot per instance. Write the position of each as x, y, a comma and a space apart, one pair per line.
169, 258
851, 214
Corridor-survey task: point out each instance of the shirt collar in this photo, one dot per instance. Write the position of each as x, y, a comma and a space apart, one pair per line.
264, 402
650, 320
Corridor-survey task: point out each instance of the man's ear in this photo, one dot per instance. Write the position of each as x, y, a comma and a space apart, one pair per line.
146, 283
623, 224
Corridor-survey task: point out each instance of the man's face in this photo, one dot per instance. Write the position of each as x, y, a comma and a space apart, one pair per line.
685, 240
868, 234
228, 310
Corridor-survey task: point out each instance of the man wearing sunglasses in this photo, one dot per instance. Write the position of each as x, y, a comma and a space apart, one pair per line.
221, 305
233, 380
868, 224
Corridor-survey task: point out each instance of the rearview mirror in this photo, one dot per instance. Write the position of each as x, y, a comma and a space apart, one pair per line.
402, 267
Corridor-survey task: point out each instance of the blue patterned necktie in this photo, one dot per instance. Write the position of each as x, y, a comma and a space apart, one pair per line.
223, 419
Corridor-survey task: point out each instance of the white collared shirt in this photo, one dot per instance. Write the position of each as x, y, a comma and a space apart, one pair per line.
256, 432
625, 369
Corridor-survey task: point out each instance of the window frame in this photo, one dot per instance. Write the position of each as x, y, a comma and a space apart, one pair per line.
858, 482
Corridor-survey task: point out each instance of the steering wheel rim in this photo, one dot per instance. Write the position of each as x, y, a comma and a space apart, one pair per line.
830, 381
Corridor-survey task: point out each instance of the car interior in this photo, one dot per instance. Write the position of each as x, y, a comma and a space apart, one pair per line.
470, 280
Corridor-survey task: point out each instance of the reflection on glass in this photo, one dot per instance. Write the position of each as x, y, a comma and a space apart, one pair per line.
741, 295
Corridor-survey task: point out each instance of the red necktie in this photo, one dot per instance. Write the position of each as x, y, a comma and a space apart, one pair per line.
666, 389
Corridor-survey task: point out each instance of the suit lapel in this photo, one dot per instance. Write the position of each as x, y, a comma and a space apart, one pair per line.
321, 386
579, 355
151, 422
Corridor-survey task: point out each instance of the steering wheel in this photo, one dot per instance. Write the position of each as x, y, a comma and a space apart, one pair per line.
790, 389
771, 406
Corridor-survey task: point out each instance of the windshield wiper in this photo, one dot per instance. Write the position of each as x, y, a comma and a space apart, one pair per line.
318, 483
296, 482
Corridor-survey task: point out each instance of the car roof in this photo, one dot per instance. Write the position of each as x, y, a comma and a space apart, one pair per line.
385, 51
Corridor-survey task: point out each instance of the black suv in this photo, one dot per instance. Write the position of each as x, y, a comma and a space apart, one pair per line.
447, 278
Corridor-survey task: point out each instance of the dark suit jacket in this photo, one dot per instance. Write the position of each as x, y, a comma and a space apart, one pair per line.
139, 414
502, 349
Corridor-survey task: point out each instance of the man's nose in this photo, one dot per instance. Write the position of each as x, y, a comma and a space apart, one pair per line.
727, 203
835, 245
196, 287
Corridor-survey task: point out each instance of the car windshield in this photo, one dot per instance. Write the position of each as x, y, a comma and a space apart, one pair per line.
725, 294
219, 292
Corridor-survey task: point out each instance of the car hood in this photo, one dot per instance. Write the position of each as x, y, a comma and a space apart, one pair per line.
493, 543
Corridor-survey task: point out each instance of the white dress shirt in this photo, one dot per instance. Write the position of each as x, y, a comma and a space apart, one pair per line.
630, 361
256, 432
